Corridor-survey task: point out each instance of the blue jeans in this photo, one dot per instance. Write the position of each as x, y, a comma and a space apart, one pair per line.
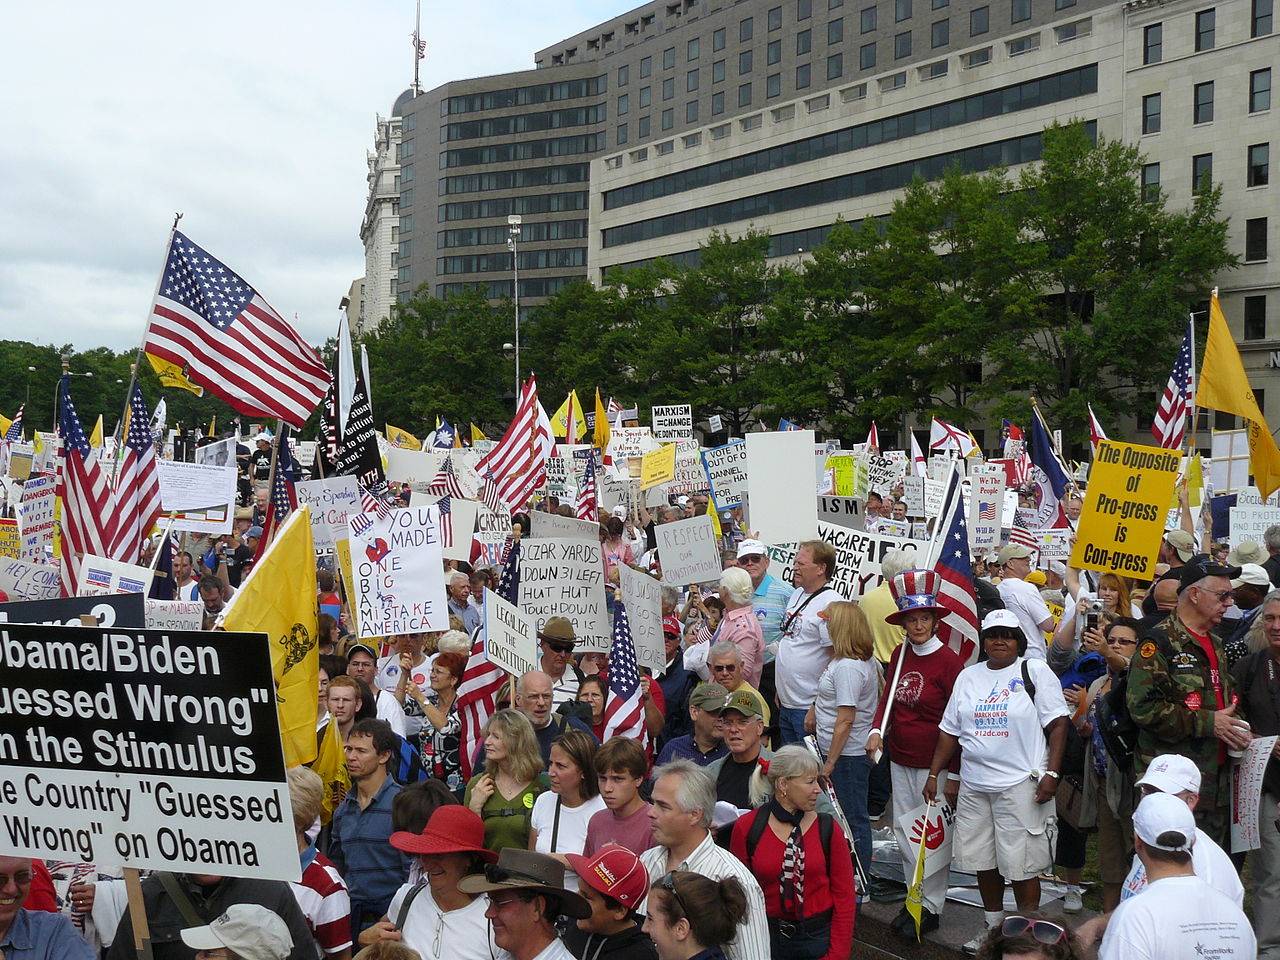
849, 779
791, 724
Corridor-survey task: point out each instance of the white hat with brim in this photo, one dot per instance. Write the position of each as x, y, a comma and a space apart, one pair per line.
1171, 773
1253, 575
1165, 823
248, 930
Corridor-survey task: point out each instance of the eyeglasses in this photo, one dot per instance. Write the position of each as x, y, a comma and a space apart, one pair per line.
668, 883
724, 667
1042, 930
1221, 596
560, 648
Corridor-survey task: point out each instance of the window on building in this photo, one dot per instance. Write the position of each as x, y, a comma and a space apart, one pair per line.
773, 85
979, 21
1255, 318
744, 95
901, 10
804, 9
646, 96
1150, 182
691, 81
867, 21
624, 75
1260, 90
691, 112
1261, 22
746, 30
940, 34
1255, 239
867, 56
1151, 113
1153, 43
902, 45
624, 104
717, 71
668, 118
1259, 172
1019, 10
835, 31
717, 103
833, 4
804, 42
1203, 112
692, 49
669, 88
1063, 4
717, 40
1201, 172
669, 58
773, 53
1205, 28
802, 76
646, 66
622, 134
835, 66
744, 63
642, 128
775, 19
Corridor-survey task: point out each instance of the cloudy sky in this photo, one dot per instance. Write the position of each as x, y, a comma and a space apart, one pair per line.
252, 118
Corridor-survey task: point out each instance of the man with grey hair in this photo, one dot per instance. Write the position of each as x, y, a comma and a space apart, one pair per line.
1271, 540
724, 666
533, 699
683, 800
739, 625
459, 600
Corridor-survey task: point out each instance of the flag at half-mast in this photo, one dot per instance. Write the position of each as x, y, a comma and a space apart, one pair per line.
225, 337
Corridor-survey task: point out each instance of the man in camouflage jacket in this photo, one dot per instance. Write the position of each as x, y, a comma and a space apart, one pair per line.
1180, 693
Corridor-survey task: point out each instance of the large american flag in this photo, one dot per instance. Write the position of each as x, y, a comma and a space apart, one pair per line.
587, 508
519, 461
15, 428
623, 711
445, 482
228, 339
949, 556
88, 502
137, 484
284, 498
1170, 423
482, 681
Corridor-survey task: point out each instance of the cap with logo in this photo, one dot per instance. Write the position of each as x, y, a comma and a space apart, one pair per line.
744, 702
1165, 823
1172, 773
248, 930
1190, 574
751, 548
708, 696
615, 871
1183, 543
1000, 618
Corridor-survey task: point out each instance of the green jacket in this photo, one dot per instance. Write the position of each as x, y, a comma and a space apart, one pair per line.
1170, 697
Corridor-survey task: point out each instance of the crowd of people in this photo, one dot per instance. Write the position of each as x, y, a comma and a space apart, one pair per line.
787, 721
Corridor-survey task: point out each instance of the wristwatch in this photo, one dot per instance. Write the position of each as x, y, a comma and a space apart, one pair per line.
1052, 773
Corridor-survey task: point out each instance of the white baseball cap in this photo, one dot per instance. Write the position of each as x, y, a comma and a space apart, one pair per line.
1253, 574
751, 548
1172, 773
1160, 815
1001, 618
248, 930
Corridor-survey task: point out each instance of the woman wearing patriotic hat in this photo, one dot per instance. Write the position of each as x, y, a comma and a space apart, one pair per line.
922, 672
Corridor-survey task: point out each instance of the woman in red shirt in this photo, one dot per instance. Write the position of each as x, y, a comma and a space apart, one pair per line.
803, 862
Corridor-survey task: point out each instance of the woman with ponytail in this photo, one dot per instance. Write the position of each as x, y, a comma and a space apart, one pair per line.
691, 917
800, 857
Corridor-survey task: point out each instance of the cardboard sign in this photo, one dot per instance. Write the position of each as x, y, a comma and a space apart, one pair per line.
1123, 518
24, 580
509, 637
937, 828
884, 473
688, 475
122, 610
779, 477
842, 467
196, 497
561, 481
553, 525
1251, 522
642, 596
457, 525
631, 442
398, 567
658, 466
10, 539
221, 453
688, 551
842, 511
21, 457
715, 423
986, 508
858, 556
913, 494
170, 741
726, 469
169, 615
1246, 794
1052, 545
332, 500
417, 468
100, 576
671, 424
35, 517
560, 577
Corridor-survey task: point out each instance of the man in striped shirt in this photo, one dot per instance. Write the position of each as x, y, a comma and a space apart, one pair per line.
321, 895
683, 800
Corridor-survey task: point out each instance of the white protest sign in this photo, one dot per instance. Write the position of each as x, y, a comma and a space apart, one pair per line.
884, 473
642, 596
842, 511
913, 494
545, 524
21, 457
689, 476
304, 451
174, 614
1052, 544
890, 527
1251, 522
937, 826
1246, 794
101, 576
492, 527
672, 423
561, 482
23, 580
196, 497
457, 525
986, 500
687, 550
510, 640
560, 577
220, 453
417, 468
47, 457
715, 423
35, 516
934, 491
858, 556
726, 469
779, 471
398, 566
331, 500
631, 442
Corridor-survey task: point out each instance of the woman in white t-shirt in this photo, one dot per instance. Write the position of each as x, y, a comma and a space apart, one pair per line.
1008, 716
846, 701
560, 815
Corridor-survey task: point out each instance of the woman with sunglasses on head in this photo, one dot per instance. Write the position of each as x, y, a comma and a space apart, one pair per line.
1009, 718
691, 917
561, 815
1029, 938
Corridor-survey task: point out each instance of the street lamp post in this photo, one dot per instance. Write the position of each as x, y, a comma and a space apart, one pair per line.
513, 240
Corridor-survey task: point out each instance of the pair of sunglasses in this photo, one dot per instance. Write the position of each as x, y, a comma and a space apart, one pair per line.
668, 883
561, 648
1042, 930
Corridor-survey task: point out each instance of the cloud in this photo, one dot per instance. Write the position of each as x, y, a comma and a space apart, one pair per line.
253, 119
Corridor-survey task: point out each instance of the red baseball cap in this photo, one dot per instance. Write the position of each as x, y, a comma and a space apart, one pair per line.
616, 872
452, 828
671, 624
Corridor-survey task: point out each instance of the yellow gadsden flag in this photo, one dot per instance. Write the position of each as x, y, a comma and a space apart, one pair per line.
171, 375
95, 438
331, 768
1224, 386
601, 437
570, 412
5, 424
402, 439
279, 599
477, 435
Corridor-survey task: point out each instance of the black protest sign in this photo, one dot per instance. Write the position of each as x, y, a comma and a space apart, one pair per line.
114, 610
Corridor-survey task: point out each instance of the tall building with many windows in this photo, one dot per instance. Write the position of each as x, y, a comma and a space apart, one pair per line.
380, 227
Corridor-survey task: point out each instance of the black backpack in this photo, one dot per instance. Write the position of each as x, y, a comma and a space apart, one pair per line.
1115, 725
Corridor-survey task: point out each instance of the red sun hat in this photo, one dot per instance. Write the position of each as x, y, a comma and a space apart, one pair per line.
452, 828
615, 872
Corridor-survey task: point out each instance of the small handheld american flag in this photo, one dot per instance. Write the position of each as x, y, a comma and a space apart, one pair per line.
624, 711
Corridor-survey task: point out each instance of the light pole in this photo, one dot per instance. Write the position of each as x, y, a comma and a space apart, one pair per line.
513, 241
30, 371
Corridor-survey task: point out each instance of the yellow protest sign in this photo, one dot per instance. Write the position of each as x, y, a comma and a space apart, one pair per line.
1125, 506
10, 542
658, 466
343, 550
842, 469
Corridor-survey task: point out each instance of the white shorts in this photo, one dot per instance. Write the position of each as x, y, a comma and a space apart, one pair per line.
1008, 832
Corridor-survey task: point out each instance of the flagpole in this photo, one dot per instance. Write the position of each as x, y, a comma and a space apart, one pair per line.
271, 483
133, 376
1191, 434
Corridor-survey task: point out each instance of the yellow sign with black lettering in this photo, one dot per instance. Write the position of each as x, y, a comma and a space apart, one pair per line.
658, 466
1122, 523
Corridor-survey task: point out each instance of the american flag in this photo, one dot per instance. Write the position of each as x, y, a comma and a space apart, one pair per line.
987, 511
445, 523
1170, 423
489, 494
623, 711
949, 556
88, 502
445, 482
519, 461
614, 408
1020, 535
137, 484
227, 339
586, 507
374, 503
482, 681
15, 429
284, 498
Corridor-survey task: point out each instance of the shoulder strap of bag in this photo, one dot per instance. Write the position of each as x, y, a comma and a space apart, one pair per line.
825, 831
403, 913
180, 899
555, 826
792, 617
1027, 683
758, 826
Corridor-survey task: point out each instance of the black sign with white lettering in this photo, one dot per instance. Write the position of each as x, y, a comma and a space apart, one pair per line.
115, 610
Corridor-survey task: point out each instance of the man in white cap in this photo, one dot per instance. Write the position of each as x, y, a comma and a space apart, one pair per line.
1179, 916
1248, 591
1023, 598
771, 594
246, 931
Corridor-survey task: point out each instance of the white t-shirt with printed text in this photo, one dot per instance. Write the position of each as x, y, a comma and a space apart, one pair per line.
1208, 860
1178, 918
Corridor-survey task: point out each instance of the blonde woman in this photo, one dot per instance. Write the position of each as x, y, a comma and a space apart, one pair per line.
847, 697
504, 794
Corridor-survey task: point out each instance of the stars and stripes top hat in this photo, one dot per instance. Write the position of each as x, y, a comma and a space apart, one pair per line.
914, 590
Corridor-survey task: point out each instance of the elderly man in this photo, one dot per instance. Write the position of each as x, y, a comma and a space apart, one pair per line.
1024, 598
1181, 696
805, 648
527, 897
739, 625
459, 601
706, 743
556, 640
771, 594
534, 699
724, 665
33, 934
683, 800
